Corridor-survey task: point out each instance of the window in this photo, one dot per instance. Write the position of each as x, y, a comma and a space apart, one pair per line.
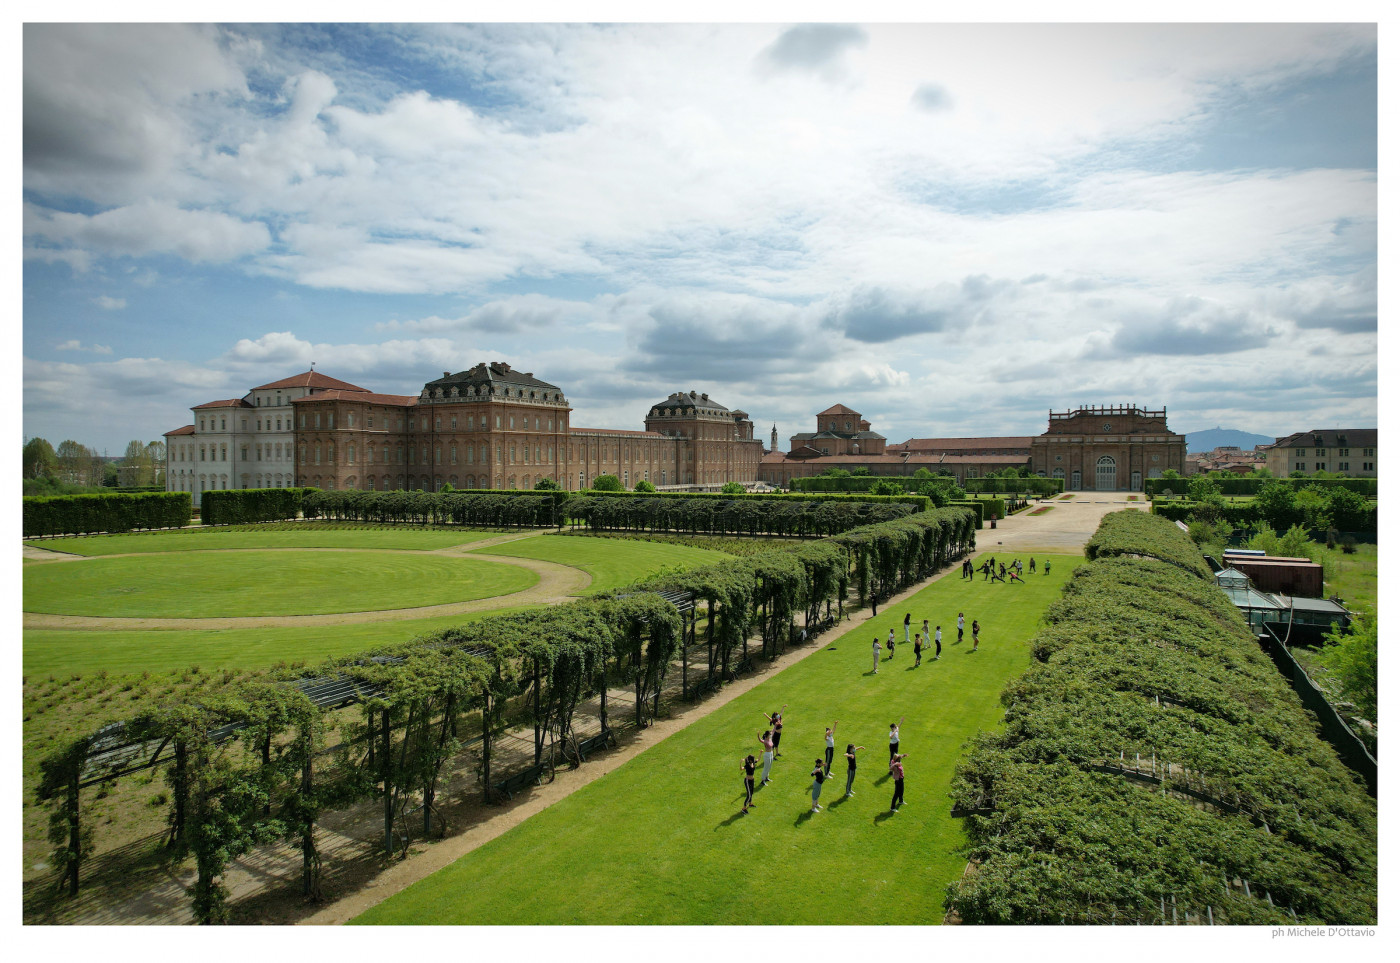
512, 422
201, 452
330, 419
1299, 466
259, 423
1344, 466
437, 454
412, 455
452, 455
223, 424
318, 453
369, 455
223, 453
243, 453
349, 454
826, 451
398, 459
330, 454
303, 419
471, 454
245, 425
369, 423
201, 424
454, 422
1368, 452
498, 422
437, 423
1368, 466
1343, 452
1321, 452
512, 454
1322, 466
318, 419
350, 419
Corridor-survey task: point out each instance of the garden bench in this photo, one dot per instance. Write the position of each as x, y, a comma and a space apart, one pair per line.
703, 686
533, 776
586, 746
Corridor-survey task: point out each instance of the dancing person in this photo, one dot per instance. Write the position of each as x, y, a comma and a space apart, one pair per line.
1046, 570
749, 765
818, 777
1032, 564
851, 750
960, 627
894, 736
918, 648
976, 629
875, 650
897, 770
766, 737
775, 721
889, 643
906, 628
938, 643
830, 746
926, 635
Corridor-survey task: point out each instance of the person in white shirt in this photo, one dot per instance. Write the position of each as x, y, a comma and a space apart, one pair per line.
875, 651
894, 736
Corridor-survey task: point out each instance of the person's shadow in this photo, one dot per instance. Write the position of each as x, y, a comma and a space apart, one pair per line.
881, 817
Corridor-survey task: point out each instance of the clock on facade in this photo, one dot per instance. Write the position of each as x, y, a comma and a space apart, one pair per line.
1107, 427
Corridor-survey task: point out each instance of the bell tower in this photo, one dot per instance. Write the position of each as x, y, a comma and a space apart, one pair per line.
773, 445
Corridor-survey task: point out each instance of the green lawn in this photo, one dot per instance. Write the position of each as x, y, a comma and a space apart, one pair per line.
65, 652
305, 535
612, 562
661, 840
1354, 576
282, 582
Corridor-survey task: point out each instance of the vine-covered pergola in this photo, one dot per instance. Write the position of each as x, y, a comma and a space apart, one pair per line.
260, 760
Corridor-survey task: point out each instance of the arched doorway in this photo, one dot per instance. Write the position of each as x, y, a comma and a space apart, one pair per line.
1106, 474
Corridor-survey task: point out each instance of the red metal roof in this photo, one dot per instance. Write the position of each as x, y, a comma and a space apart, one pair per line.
838, 410
186, 430
311, 379
226, 403
360, 395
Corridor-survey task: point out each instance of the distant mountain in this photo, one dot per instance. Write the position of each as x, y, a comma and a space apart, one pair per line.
1212, 438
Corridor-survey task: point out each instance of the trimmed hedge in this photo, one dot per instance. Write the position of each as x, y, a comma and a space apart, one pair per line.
1242, 516
86, 514
494, 509
1366, 487
860, 483
242, 506
724, 516
920, 502
1143, 665
1132, 532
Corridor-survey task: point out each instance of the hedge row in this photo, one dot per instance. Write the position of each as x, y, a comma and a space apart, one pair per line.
496, 509
920, 502
1251, 486
243, 506
1143, 665
1246, 514
1133, 532
86, 514
730, 517
860, 483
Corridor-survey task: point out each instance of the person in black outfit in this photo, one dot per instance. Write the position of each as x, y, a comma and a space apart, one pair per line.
851, 749
897, 770
776, 722
750, 763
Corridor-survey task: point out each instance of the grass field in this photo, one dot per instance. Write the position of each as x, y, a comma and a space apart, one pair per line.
303, 535
64, 652
613, 563
282, 582
1354, 576
661, 840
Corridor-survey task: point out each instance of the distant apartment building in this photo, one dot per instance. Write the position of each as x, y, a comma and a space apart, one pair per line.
1349, 451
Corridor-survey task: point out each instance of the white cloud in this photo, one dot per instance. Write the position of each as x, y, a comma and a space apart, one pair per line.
108, 303
76, 345
149, 227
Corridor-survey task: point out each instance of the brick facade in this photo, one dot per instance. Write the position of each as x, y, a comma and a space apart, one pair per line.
493, 427
1107, 449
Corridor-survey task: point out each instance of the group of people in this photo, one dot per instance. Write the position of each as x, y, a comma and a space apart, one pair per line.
995, 571
771, 737
921, 641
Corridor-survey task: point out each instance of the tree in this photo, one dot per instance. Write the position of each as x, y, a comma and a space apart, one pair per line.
834, 472
1351, 657
1274, 504
39, 459
74, 462
860, 471
136, 468
1201, 487
608, 483
547, 485
1348, 508
886, 487
155, 451
1315, 507
731, 488
644, 486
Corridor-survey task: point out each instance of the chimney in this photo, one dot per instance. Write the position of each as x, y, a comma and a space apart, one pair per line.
447, 374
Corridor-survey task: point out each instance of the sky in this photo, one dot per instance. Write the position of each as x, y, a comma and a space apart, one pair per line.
951, 228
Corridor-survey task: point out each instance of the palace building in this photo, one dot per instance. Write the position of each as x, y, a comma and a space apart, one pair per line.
495, 427
1097, 448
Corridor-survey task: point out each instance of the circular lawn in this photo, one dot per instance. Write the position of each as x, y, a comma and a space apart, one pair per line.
251, 583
